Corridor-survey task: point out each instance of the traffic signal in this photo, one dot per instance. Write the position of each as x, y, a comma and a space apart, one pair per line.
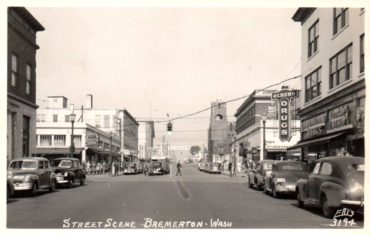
169, 127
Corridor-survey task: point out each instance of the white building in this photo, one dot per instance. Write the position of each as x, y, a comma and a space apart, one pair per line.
146, 135
333, 81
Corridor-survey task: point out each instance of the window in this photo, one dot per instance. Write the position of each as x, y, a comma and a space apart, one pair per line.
341, 67
219, 117
326, 169
55, 117
14, 75
316, 169
46, 164
28, 79
66, 118
59, 140
40, 118
41, 165
313, 39
45, 140
106, 121
313, 85
77, 140
362, 54
97, 120
340, 19
26, 136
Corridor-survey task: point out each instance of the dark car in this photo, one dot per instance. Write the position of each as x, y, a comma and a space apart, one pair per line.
256, 176
131, 168
334, 182
284, 176
31, 174
68, 171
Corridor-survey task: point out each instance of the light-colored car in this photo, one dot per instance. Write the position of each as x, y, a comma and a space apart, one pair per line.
31, 174
256, 176
215, 167
131, 168
335, 182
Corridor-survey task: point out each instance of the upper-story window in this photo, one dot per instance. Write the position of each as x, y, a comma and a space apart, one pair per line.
98, 121
14, 75
219, 117
362, 54
340, 19
41, 118
313, 39
106, 121
313, 85
28, 79
55, 117
66, 118
341, 67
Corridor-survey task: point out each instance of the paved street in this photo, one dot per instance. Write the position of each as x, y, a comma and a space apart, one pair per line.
139, 201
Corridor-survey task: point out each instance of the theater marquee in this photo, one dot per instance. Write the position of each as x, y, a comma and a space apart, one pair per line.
283, 100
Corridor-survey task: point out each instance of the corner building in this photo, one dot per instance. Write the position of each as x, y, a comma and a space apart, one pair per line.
333, 82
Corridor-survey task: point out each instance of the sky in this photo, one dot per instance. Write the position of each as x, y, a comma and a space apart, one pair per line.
159, 61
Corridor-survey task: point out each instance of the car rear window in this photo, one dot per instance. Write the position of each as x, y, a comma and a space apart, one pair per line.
290, 167
23, 164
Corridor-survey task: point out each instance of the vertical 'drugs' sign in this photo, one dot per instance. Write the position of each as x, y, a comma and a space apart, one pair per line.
283, 99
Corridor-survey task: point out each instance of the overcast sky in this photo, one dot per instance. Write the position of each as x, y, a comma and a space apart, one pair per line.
155, 61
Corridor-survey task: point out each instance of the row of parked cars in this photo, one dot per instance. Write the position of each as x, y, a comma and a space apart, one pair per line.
333, 183
32, 174
209, 167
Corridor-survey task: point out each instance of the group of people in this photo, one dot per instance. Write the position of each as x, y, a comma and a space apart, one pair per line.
93, 167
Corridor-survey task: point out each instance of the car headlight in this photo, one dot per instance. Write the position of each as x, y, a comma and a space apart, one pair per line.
280, 180
65, 174
27, 178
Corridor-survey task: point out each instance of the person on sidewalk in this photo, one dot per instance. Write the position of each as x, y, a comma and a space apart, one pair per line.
230, 168
178, 169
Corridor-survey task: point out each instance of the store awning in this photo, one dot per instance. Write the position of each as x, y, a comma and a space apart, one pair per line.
56, 151
319, 140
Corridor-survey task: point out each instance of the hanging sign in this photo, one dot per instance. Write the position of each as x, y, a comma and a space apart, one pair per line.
283, 99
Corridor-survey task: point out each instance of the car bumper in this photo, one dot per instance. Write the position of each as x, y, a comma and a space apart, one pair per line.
22, 186
285, 188
352, 203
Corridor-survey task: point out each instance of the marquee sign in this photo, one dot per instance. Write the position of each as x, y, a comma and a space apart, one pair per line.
283, 99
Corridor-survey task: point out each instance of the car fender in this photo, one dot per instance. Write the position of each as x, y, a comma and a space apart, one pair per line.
267, 179
302, 188
334, 193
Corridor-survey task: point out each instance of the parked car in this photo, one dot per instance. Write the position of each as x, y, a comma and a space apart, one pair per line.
207, 166
334, 182
215, 167
201, 166
131, 168
155, 168
68, 171
284, 176
256, 176
9, 188
31, 174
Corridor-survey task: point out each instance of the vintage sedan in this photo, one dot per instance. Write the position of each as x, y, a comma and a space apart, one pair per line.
215, 167
155, 168
31, 174
131, 168
68, 171
284, 176
256, 176
335, 182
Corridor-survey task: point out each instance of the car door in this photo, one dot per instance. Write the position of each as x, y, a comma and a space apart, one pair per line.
269, 178
48, 172
76, 169
312, 190
41, 173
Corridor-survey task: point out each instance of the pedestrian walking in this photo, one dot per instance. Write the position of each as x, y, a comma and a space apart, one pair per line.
113, 168
231, 169
178, 172
88, 167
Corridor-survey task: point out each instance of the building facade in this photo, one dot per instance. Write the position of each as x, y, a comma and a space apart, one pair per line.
252, 133
21, 95
146, 136
220, 133
333, 81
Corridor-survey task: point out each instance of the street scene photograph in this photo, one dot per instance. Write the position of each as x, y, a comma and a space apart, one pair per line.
184, 117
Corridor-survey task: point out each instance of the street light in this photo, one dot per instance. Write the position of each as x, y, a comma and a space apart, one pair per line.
72, 118
264, 117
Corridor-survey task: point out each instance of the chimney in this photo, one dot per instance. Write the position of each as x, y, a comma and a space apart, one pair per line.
89, 101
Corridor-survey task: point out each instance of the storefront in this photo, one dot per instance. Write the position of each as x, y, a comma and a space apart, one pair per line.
335, 125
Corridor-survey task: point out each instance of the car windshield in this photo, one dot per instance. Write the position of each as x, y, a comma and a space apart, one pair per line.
156, 164
62, 163
23, 164
267, 166
290, 167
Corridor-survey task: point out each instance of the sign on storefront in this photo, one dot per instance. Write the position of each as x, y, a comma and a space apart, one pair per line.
340, 118
314, 126
283, 99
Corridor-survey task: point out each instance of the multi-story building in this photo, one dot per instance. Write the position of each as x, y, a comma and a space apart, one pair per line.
253, 133
220, 133
333, 81
21, 102
146, 135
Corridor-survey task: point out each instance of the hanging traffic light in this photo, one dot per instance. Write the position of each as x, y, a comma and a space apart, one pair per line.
169, 127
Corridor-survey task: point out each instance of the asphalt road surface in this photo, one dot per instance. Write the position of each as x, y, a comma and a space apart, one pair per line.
193, 200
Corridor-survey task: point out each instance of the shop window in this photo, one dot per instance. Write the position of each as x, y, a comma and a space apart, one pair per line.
45, 140
77, 140
59, 140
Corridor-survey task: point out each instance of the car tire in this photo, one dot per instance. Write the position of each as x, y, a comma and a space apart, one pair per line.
274, 193
32, 191
300, 203
82, 182
327, 211
53, 186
